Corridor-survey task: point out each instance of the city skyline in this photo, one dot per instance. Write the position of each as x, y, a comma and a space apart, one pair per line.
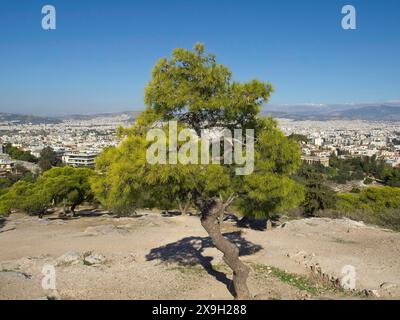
99, 58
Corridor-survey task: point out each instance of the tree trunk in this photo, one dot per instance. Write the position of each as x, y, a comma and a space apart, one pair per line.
180, 206
210, 220
184, 209
73, 207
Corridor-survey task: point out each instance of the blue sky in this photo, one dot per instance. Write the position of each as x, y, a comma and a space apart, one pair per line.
100, 56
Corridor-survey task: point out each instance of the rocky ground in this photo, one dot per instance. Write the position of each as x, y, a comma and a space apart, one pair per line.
154, 256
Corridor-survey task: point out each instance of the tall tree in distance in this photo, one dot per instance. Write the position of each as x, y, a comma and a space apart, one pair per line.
47, 159
193, 89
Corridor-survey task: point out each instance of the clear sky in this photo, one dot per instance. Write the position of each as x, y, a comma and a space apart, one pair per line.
100, 56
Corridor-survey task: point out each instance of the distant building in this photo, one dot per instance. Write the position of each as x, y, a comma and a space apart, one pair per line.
318, 141
6, 165
316, 160
79, 159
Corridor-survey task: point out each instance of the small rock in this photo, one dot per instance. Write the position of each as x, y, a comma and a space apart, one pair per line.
376, 293
69, 258
388, 286
53, 295
93, 259
371, 293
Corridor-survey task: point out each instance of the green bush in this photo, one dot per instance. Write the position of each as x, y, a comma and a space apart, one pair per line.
376, 199
375, 205
368, 181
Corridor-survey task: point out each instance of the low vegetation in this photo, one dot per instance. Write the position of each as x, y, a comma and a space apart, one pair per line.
67, 187
378, 205
18, 154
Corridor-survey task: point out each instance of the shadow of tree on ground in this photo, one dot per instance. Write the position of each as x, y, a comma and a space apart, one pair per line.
188, 252
2, 222
252, 223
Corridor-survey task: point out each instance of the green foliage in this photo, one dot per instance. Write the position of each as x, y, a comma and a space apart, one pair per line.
68, 186
8, 181
192, 88
376, 199
355, 190
18, 154
298, 137
375, 205
18, 197
391, 177
358, 168
5, 184
269, 189
368, 180
47, 159
318, 196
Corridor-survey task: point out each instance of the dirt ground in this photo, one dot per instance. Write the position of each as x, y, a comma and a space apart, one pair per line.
156, 256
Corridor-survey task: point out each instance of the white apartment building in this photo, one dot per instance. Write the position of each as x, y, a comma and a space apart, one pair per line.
318, 141
79, 159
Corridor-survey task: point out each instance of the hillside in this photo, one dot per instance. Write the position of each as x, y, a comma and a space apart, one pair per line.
12, 118
26, 119
333, 112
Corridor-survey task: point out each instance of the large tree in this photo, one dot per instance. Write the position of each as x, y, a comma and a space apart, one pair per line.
192, 88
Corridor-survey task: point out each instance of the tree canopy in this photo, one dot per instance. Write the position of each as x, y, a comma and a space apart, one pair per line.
47, 159
67, 186
192, 88
18, 154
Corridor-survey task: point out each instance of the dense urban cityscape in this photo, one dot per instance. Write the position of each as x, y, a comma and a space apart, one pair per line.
78, 141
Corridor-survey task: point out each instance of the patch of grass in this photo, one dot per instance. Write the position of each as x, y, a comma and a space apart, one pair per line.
311, 224
309, 284
221, 268
8, 270
190, 270
302, 283
343, 241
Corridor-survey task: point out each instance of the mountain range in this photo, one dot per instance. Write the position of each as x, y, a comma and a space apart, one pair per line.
127, 116
378, 112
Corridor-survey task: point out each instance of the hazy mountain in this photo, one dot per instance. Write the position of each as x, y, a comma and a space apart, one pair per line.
26, 119
373, 113
128, 116
125, 114
387, 111
390, 112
